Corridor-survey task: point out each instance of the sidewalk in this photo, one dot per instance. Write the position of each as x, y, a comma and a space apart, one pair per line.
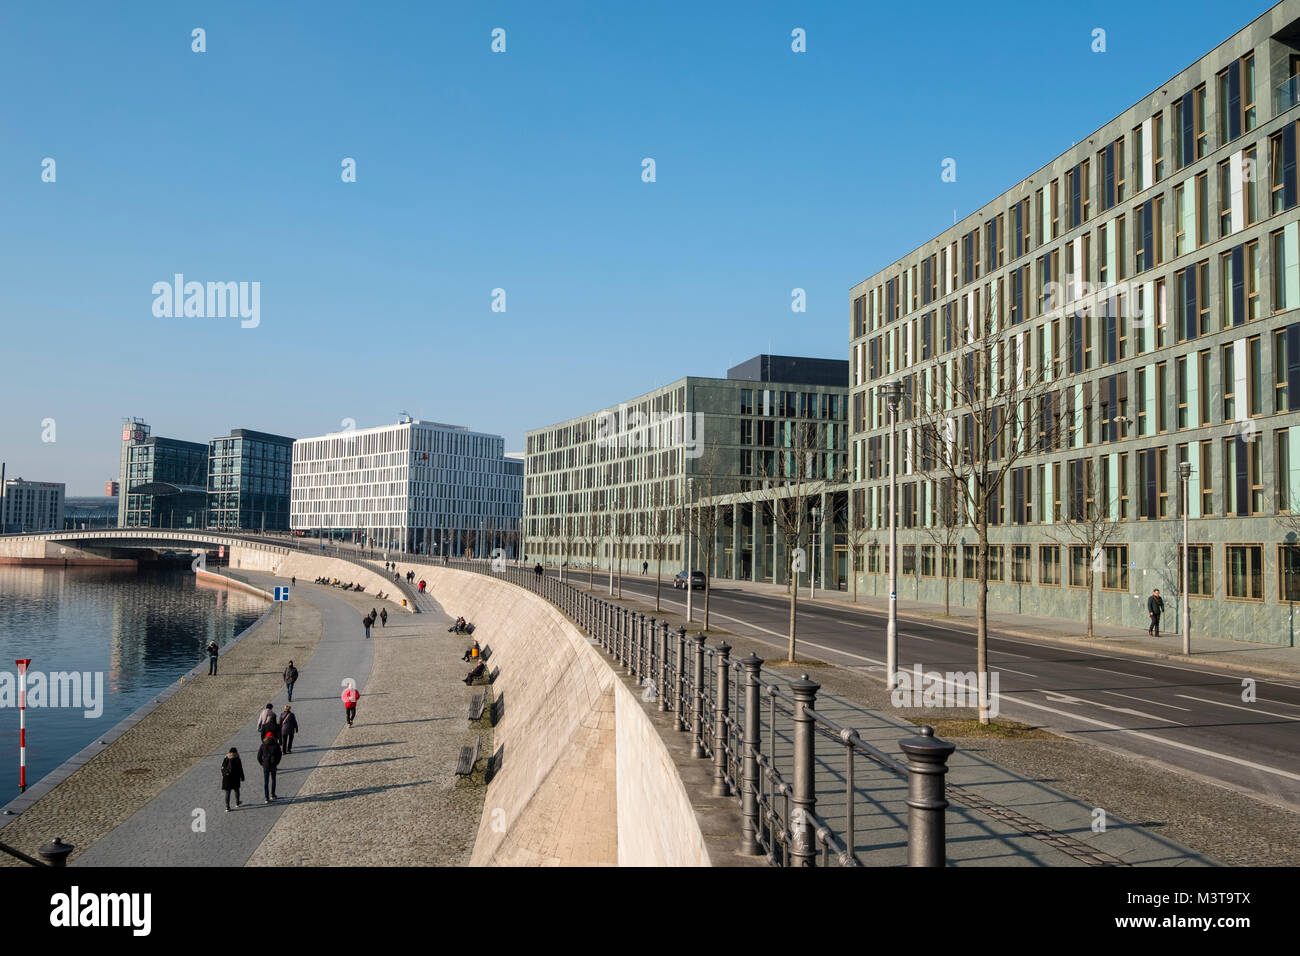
1243, 656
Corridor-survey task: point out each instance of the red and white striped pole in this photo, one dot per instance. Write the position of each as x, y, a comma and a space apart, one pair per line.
22, 723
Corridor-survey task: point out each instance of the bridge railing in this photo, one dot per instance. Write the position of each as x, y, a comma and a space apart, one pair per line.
760, 736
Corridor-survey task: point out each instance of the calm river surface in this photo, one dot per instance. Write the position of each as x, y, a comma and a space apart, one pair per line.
136, 631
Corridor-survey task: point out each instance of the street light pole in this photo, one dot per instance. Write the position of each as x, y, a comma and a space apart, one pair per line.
812, 540
1185, 473
690, 584
892, 391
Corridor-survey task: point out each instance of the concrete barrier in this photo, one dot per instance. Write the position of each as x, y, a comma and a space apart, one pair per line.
584, 778
307, 567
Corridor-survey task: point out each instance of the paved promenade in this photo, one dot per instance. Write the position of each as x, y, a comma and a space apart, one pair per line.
382, 792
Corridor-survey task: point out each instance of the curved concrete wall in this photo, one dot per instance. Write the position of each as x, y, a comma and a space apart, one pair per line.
584, 778
307, 567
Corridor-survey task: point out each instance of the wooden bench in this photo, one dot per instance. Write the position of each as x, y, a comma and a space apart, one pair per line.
485, 652
476, 706
468, 758
492, 675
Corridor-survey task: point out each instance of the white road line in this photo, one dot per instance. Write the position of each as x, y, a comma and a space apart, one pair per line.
1249, 710
1145, 701
851, 624
995, 667
917, 637
1120, 673
1160, 741
1023, 657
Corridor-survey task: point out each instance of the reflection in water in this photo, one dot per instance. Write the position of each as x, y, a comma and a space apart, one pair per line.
141, 629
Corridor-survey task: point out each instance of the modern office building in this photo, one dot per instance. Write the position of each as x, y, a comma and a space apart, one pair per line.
613, 482
28, 506
1143, 288
110, 489
163, 481
248, 481
416, 486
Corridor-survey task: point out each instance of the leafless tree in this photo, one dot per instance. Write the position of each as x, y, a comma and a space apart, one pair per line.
944, 530
660, 530
990, 400
710, 481
1088, 525
622, 531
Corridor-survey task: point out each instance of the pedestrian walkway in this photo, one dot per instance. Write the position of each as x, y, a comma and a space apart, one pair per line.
167, 831
1243, 656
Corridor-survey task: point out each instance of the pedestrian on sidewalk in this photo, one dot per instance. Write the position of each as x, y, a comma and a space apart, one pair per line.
1155, 607
212, 658
267, 722
232, 775
383, 617
268, 755
366, 622
645, 566
350, 698
290, 678
288, 727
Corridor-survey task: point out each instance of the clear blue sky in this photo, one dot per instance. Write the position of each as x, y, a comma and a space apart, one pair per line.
477, 170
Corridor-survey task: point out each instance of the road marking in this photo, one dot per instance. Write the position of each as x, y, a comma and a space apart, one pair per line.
851, 624
1010, 671
1249, 710
1120, 673
1160, 741
1067, 699
1145, 701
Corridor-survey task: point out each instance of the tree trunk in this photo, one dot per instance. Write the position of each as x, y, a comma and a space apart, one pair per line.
658, 574
794, 597
1090, 591
982, 619
947, 590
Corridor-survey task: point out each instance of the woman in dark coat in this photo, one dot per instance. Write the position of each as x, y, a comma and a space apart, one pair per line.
232, 775
288, 727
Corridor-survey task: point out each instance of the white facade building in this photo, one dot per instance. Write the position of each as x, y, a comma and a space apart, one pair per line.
32, 506
416, 486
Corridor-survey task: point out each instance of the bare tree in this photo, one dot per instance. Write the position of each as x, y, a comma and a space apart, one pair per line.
797, 476
710, 482
622, 531
991, 400
660, 531
592, 532
944, 530
1089, 526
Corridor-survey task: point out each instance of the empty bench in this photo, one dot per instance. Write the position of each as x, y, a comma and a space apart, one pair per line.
468, 758
477, 703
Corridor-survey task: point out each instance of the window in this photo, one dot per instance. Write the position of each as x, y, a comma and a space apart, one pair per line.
1158, 147
1079, 566
1239, 285
1282, 172
1021, 564
1110, 162
1249, 176
1288, 572
1244, 488
1286, 269
1236, 99
970, 562
949, 552
1245, 572
1148, 234
1056, 207
1206, 477
995, 563
908, 563
1076, 191
1116, 575
1200, 569
927, 560
873, 559
1190, 137
1049, 564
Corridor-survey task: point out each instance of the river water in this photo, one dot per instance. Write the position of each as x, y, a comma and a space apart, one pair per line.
131, 633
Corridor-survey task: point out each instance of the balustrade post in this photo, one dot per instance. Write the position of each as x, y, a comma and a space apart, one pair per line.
663, 669
927, 764
720, 713
749, 795
649, 671
697, 744
682, 721
803, 848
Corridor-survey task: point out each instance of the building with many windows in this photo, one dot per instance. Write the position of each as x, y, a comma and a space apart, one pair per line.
248, 481
163, 481
1148, 279
27, 506
415, 486
612, 484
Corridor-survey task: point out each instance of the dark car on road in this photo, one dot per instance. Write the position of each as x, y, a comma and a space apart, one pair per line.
697, 580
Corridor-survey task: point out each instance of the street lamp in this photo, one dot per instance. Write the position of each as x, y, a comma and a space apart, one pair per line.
812, 573
690, 498
1185, 474
893, 393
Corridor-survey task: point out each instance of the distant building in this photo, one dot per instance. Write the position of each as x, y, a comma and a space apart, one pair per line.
415, 486
248, 481
31, 506
87, 513
163, 480
110, 489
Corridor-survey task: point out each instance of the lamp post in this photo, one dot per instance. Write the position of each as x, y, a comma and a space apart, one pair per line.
812, 572
690, 584
1185, 474
893, 392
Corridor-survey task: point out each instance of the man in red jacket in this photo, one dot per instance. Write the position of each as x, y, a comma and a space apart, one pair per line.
350, 698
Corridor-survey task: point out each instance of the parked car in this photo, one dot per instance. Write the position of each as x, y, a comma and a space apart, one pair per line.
697, 580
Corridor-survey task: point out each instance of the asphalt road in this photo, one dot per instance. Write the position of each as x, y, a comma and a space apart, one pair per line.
1191, 718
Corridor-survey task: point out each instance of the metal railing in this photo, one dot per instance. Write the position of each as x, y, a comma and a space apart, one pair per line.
1286, 94
720, 704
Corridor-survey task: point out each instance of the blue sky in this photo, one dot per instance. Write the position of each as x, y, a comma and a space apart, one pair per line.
477, 170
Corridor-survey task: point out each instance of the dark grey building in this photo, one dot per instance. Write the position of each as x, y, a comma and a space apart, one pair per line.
249, 481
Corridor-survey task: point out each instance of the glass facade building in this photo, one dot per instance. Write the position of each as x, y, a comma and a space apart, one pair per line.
163, 480
249, 481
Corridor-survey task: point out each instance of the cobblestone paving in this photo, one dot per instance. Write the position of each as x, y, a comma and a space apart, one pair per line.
190, 726
386, 794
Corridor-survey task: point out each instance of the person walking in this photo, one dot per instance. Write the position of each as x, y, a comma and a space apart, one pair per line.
645, 566
232, 775
290, 678
268, 755
212, 658
293, 580
383, 618
538, 570
350, 698
288, 727
366, 622
1155, 607
267, 722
